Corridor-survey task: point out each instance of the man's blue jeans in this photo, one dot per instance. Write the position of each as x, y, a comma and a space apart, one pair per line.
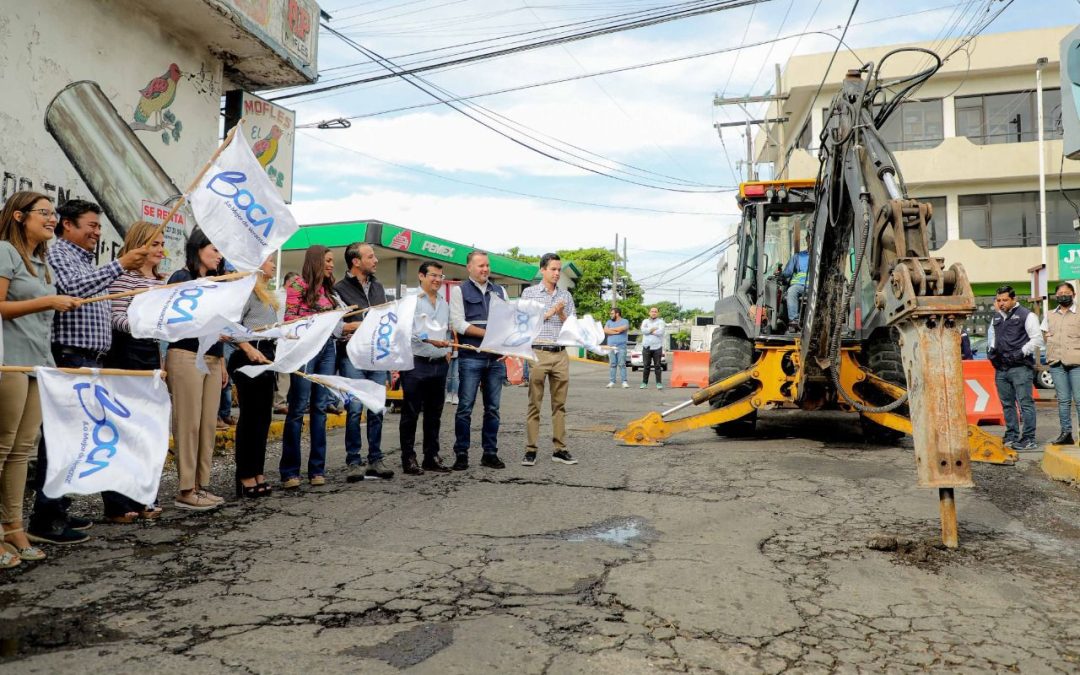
354, 444
452, 377
1014, 387
795, 293
487, 374
300, 395
617, 362
1067, 385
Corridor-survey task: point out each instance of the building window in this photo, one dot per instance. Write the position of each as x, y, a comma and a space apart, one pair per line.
1007, 118
914, 125
1012, 220
938, 225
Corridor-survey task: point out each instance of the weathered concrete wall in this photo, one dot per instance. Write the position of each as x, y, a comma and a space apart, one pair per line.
48, 44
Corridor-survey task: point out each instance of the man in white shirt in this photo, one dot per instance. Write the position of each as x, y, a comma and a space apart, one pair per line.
652, 347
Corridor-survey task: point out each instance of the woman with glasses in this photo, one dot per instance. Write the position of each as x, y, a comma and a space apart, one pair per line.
28, 301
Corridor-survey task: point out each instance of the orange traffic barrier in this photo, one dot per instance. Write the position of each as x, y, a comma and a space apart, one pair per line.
689, 369
980, 393
515, 372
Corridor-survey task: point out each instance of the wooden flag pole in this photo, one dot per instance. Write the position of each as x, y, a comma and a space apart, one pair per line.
194, 184
487, 351
139, 291
303, 318
86, 371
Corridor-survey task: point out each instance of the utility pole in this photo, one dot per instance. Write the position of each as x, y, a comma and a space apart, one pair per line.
624, 264
615, 273
779, 127
749, 153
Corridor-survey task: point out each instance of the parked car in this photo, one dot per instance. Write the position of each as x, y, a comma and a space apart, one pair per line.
1043, 378
633, 357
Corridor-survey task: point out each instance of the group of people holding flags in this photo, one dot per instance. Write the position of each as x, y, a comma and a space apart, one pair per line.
82, 362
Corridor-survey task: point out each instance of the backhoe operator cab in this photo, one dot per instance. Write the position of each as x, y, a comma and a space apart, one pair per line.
774, 229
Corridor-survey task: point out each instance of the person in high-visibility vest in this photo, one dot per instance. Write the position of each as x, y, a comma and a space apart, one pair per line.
795, 274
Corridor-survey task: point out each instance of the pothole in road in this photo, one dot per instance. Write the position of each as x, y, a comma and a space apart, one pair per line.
408, 648
615, 531
32, 635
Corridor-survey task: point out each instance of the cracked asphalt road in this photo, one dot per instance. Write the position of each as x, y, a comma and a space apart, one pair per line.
701, 556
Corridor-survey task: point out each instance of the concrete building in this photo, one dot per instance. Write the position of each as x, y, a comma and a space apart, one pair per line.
966, 143
119, 102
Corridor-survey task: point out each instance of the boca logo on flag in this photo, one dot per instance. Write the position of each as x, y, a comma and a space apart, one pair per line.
384, 339
104, 432
192, 309
239, 209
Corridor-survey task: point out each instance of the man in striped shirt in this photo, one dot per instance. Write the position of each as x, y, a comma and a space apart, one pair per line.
553, 364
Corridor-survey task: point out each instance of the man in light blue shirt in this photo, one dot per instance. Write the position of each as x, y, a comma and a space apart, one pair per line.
617, 329
652, 346
424, 387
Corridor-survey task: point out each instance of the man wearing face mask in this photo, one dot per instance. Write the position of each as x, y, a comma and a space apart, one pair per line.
1062, 330
1011, 343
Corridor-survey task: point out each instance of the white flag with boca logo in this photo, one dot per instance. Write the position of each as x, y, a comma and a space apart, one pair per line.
512, 326
239, 209
384, 339
104, 432
301, 342
583, 332
372, 395
189, 310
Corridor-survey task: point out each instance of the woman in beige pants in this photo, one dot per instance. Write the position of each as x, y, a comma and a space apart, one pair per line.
27, 302
195, 395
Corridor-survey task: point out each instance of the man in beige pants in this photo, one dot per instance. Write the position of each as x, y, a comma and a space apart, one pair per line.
553, 364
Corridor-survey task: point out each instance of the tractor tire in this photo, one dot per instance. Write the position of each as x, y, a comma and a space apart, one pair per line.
730, 353
882, 358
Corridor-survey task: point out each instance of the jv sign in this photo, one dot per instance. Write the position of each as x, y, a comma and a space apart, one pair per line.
1068, 261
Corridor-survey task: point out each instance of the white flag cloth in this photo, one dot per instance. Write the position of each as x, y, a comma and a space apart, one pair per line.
371, 395
384, 339
234, 330
239, 209
582, 332
512, 326
302, 341
104, 432
190, 310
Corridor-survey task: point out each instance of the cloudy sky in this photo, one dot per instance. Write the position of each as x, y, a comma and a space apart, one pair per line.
433, 169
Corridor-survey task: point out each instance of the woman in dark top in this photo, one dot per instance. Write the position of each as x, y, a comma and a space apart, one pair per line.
256, 393
195, 395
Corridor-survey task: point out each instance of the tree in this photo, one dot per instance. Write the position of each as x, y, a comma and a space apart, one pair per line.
516, 254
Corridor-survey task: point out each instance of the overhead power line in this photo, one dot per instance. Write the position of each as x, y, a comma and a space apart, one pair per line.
693, 9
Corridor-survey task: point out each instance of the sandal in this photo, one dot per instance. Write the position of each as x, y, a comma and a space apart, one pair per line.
264, 489
123, 519
150, 513
29, 553
248, 492
9, 559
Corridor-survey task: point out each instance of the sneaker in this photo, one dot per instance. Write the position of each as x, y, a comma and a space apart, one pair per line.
659, 386
379, 470
563, 456
1020, 446
195, 501
291, 483
317, 481
492, 462
455, 399
63, 537
529, 459
354, 473
610, 385
643, 385
1065, 438
625, 385
80, 524
461, 463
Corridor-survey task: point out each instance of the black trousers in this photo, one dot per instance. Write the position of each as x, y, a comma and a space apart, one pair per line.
256, 410
650, 358
424, 391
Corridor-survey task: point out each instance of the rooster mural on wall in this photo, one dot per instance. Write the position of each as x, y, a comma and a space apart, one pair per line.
154, 101
266, 148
